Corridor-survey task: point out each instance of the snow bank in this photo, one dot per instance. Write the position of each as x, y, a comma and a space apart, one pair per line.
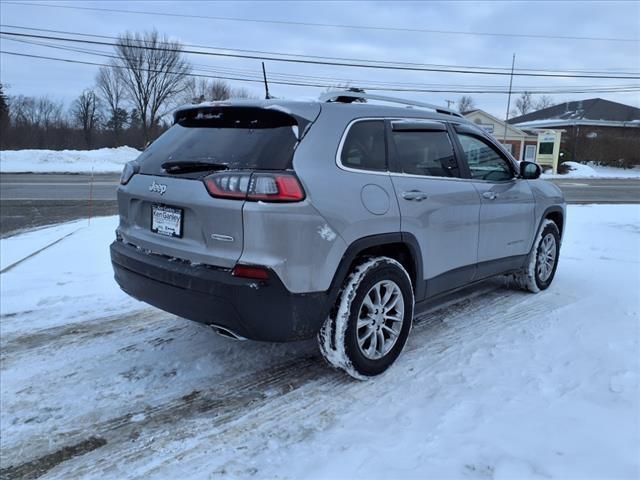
505, 384
104, 160
580, 170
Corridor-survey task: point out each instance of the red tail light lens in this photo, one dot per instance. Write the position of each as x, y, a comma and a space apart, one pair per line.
280, 187
228, 185
263, 186
256, 273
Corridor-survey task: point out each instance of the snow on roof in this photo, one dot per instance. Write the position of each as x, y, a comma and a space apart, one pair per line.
591, 110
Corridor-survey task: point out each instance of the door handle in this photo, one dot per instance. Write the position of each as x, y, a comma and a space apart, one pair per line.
415, 195
489, 195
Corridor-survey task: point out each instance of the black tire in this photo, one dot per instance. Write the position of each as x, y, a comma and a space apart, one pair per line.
339, 336
531, 278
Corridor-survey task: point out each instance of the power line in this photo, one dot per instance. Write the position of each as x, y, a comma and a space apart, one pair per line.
327, 25
233, 74
320, 85
618, 70
319, 62
308, 78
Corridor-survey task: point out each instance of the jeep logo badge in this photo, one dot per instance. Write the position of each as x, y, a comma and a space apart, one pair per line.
158, 188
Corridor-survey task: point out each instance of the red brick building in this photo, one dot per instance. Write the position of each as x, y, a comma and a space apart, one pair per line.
595, 130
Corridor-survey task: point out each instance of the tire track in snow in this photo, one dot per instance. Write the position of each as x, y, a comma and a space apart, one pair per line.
239, 416
257, 405
448, 322
14, 346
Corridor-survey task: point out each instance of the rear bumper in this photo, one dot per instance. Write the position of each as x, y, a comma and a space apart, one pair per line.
257, 310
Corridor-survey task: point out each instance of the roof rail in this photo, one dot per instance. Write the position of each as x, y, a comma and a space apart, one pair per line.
348, 96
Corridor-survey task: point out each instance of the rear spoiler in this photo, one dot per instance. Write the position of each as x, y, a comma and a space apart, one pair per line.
225, 115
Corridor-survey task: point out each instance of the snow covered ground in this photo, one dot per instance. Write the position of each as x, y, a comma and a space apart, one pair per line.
579, 170
500, 384
104, 160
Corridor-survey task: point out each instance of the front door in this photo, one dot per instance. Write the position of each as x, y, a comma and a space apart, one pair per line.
507, 205
437, 207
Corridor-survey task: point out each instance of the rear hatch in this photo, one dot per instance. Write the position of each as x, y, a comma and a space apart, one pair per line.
167, 208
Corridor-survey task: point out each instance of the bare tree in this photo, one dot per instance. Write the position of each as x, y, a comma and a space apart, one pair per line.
85, 112
154, 72
524, 104
219, 90
112, 92
22, 111
204, 90
241, 92
545, 101
35, 111
466, 104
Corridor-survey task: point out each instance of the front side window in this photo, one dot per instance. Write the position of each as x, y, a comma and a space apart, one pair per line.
425, 153
485, 163
364, 148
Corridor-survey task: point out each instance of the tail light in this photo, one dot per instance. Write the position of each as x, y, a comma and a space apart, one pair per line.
263, 186
129, 170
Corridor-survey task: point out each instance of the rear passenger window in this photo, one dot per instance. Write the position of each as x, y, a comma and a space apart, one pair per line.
364, 147
425, 153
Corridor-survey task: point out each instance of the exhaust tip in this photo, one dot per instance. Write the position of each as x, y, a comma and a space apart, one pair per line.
225, 332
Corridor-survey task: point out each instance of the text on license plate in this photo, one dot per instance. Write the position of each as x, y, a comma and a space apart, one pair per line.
166, 220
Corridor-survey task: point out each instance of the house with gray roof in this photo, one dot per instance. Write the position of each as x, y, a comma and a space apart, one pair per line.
595, 130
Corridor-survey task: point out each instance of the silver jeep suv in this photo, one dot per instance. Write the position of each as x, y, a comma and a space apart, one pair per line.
277, 221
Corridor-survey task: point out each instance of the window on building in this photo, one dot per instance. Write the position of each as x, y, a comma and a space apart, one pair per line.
485, 162
425, 153
545, 148
364, 147
530, 153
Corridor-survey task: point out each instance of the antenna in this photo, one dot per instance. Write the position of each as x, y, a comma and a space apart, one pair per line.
266, 85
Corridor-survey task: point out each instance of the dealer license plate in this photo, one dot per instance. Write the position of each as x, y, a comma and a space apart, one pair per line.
166, 220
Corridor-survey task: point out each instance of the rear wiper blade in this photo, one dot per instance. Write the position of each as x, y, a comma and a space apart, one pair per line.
183, 167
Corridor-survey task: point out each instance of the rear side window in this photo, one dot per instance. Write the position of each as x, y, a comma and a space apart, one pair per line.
364, 147
425, 153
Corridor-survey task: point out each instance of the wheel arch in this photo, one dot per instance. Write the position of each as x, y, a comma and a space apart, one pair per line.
401, 246
556, 215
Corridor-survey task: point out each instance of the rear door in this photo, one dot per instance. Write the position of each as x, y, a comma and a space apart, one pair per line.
507, 212
438, 207
166, 207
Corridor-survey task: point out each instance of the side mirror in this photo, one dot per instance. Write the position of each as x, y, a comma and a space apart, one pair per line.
530, 170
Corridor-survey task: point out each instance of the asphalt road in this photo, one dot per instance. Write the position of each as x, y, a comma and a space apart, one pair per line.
600, 190
21, 186
34, 200
31, 200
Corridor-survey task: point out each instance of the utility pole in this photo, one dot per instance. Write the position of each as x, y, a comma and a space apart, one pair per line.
449, 102
513, 63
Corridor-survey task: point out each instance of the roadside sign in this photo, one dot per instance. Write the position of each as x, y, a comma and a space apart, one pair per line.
549, 149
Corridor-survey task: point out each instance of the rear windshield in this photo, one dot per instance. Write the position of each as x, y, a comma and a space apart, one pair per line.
238, 139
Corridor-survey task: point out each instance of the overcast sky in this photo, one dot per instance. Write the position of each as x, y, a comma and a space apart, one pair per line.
613, 20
